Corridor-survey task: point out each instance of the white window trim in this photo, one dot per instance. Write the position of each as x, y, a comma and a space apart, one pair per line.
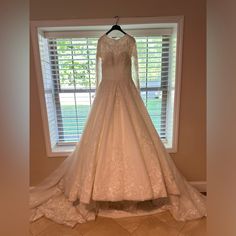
58, 25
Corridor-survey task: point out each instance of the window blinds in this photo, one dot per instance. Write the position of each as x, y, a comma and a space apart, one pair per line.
68, 67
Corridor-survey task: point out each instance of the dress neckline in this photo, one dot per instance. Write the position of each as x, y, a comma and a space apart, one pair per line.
115, 40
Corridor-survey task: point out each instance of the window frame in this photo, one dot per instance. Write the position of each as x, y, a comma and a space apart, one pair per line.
42, 26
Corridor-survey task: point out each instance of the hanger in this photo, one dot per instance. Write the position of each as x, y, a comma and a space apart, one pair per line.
115, 27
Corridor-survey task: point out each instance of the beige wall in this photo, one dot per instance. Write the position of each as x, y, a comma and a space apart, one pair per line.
221, 117
191, 155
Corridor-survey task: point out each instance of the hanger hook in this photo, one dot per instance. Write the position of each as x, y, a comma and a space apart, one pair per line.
117, 19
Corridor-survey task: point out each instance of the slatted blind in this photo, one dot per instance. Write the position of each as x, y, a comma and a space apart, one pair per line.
154, 53
68, 66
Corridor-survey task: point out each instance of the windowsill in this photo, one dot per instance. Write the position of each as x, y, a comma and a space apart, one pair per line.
64, 151
61, 151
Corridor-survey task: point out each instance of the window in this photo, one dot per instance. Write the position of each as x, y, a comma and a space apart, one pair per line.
67, 79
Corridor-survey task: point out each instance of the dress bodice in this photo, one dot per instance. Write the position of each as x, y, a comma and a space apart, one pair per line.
116, 59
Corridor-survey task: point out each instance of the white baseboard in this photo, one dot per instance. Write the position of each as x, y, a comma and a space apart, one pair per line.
200, 185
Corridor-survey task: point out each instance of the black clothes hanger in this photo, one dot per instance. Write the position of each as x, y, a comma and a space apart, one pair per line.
116, 27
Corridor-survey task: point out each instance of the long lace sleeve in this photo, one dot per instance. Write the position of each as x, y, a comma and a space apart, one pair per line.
135, 70
98, 64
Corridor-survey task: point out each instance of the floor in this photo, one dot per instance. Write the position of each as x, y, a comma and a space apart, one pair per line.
161, 224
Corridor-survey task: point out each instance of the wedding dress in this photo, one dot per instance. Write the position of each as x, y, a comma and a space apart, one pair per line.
120, 167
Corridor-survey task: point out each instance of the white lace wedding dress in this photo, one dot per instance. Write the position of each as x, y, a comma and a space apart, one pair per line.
120, 167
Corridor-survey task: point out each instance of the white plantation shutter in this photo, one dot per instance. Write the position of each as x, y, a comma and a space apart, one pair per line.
48, 91
68, 68
73, 76
155, 55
